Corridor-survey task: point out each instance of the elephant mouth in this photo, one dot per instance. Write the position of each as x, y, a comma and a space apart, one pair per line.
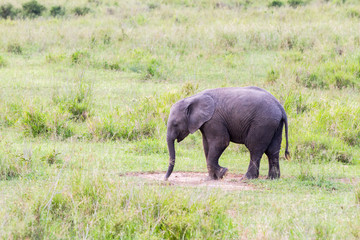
181, 137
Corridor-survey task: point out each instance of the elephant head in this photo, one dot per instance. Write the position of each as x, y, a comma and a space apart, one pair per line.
186, 116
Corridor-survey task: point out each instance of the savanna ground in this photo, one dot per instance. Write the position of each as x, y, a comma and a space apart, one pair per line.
86, 88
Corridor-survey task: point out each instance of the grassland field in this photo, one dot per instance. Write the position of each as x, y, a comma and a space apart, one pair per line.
85, 92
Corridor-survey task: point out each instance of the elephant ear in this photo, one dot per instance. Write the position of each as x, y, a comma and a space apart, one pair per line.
200, 110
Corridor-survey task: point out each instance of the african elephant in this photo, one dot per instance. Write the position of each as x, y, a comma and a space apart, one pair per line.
244, 115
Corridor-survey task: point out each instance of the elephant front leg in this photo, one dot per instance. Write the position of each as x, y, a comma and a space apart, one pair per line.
214, 169
215, 141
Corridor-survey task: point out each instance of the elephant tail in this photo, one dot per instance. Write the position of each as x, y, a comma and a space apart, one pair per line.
285, 121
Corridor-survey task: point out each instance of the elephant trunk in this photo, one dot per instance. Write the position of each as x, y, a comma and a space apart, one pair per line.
171, 148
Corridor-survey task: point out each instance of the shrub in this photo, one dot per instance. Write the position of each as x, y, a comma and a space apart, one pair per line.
54, 58
59, 125
113, 66
152, 69
275, 3
340, 72
12, 113
34, 122
171, 216
14, 48
106, 39
311, 80
357, 194
272, 76
78, 102
149, 146
33, 9
3, 63
79, 56
296, 3
296, 103
81, 11
145, 120
354, 13
340, 121
8, 11
142, 62
37, 121
57, 11
321, 150
153, 6
227, 39
12, 163
52, 157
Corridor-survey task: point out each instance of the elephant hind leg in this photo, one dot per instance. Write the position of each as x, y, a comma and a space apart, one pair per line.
258, 140
254, 165
273, 152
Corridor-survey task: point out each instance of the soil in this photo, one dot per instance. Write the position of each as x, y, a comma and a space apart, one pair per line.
231, 182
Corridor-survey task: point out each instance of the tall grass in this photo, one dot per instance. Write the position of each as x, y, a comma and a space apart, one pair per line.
136, 213
146, 120
65, 136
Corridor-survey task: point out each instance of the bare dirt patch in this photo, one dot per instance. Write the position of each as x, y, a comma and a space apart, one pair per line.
232, 182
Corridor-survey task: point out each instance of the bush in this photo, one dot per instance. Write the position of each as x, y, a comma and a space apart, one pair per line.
12, 163
113, 66
14, 48
340, 72
172, 217
296, 103
353, 13
311, 80
340, 121
143, 62
34, 122
357, 194
320, 149
81, 11
55, 58
152, 69
272, 76
153, 6
149, 146
275, 3
78, 102
8, 11
57, 11
38, 121
33, 9
79, 56
52, 157
296, 3
3, 63
12, 114
145, 120
227, 40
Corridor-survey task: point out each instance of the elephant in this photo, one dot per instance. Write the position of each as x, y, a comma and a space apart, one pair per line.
243, 115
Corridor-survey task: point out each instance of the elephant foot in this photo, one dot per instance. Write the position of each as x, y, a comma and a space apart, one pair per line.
218, 174
221, 173
274, 173
250, 175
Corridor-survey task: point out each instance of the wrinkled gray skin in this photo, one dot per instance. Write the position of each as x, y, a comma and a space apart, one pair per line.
247, 115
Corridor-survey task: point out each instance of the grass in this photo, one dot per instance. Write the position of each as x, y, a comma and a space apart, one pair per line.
86, 89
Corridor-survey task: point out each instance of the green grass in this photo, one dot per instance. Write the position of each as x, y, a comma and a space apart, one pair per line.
86, 89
